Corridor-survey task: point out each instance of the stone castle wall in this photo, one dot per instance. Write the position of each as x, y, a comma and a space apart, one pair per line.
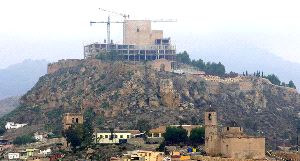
53, 67
243, 148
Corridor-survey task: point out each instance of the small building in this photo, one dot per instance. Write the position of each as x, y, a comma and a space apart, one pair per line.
12, 125
231, 142
142, 155
39, 136
32, 152
157, 132
115, 137
13, 156
46, 152
71, 118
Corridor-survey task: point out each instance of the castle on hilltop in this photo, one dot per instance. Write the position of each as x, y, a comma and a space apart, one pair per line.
140, 42
231, 142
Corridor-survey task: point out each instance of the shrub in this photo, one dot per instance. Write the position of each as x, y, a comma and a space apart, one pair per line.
24, 139
175, 136
197, 135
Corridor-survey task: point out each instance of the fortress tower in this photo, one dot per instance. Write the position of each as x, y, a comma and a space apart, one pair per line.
212, 140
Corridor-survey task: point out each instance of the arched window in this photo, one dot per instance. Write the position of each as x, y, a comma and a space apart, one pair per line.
209, 116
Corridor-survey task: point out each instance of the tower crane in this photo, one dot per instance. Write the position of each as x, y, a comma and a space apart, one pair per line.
125, 16
108, 22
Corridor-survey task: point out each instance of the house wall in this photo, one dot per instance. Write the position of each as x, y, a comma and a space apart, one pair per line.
13, 155
243, 148
104, 138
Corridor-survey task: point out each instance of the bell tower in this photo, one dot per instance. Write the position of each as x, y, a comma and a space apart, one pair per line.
212, 140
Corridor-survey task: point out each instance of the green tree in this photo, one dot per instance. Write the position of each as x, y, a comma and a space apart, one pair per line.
87, 138
273, 79
24, 139
143, 125
2, 130
183, 58
197, 135
74, 136
199, 64
291, 84
175, 135
100, 121
161, 147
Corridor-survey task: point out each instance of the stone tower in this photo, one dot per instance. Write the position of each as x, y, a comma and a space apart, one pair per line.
212, 140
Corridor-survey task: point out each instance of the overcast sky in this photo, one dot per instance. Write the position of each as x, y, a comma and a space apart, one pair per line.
57, 29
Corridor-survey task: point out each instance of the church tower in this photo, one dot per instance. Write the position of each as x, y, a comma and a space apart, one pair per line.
212, 140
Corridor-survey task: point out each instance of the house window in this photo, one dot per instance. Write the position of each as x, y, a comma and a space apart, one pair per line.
116, 136
73, 120
76, 120
209, 116
227, 128
106, 136
137, 30
127, 136
121, 136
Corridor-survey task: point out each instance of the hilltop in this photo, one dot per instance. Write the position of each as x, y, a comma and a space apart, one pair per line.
124, 93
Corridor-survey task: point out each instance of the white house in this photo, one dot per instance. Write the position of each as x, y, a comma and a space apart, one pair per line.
39, 136
119, 136
46, 151
13, 155
12, 125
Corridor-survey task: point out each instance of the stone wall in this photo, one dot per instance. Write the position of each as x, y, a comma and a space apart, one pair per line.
208, 158
243, 147
53, 67
161, 65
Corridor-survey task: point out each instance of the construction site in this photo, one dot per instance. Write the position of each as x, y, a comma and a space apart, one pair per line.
140, 42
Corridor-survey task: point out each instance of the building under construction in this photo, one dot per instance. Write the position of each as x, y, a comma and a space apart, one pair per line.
140, 42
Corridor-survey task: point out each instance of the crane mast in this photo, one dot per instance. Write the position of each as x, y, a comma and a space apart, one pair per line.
108, 22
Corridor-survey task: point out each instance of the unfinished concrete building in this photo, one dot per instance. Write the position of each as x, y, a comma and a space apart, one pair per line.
140, 42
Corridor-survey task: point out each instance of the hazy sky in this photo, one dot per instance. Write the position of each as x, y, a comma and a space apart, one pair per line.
57, 29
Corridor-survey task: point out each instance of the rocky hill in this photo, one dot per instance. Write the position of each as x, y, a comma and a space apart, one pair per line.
125, 93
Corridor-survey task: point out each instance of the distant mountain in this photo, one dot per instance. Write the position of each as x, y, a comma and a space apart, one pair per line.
17, 79
240, 56
8, 104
